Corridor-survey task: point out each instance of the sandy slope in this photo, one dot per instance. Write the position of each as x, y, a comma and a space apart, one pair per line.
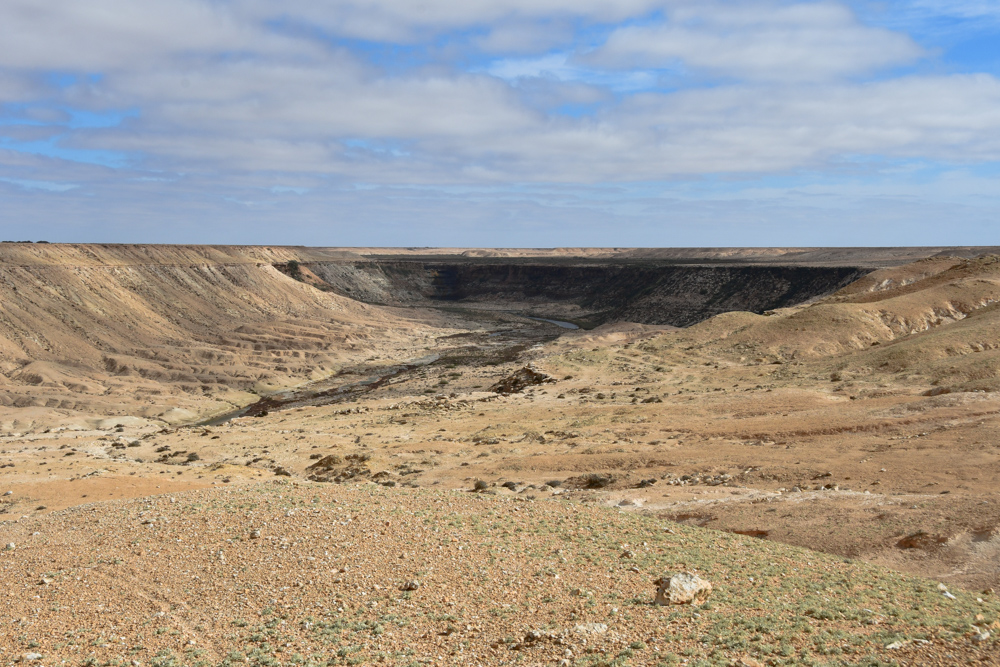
167, 332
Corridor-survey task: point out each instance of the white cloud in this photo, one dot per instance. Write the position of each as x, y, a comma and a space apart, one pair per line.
954, 118
113, 34
761, 41
405, 20
216, 101
97, 35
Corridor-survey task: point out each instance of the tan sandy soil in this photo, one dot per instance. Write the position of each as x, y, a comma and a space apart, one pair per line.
270, 574
864, 425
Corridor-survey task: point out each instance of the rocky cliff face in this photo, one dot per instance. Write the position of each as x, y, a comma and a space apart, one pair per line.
591, 292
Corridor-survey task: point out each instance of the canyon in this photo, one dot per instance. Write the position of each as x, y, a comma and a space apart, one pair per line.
827, 417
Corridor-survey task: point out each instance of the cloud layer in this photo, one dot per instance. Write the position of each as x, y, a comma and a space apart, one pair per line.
258, 105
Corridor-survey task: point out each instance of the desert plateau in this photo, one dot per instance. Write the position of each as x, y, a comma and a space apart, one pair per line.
278, 455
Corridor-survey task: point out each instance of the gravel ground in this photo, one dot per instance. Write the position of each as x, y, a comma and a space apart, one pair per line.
288, 573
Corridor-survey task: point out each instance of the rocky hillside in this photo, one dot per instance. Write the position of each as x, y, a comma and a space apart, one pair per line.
180, 329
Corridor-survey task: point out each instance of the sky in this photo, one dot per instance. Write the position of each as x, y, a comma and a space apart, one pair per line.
501, 123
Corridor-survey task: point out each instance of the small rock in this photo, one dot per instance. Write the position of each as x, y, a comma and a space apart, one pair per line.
32, 656
45, 581
255, 534
896, 645
410, 585
11, 546
683, 588
10, 493
981, 637
533, 636
949, 595
590, 629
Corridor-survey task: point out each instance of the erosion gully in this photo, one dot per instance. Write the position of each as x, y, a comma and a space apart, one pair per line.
466, 349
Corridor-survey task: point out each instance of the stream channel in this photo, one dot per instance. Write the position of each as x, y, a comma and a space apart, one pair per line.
467, 349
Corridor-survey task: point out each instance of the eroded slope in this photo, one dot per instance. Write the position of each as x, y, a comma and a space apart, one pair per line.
167, 332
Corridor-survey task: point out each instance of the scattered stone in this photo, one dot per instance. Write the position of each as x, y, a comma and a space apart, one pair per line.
8, 493
411, 585
480, 485
326, 462
590, 629
533, 636
922, 540
981, 637
10, 546
31, 657
516, 382
896, 645
937, 391
683, 588
596, 480
329, 469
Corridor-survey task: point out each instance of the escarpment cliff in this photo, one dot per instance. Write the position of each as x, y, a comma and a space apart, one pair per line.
590, 292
